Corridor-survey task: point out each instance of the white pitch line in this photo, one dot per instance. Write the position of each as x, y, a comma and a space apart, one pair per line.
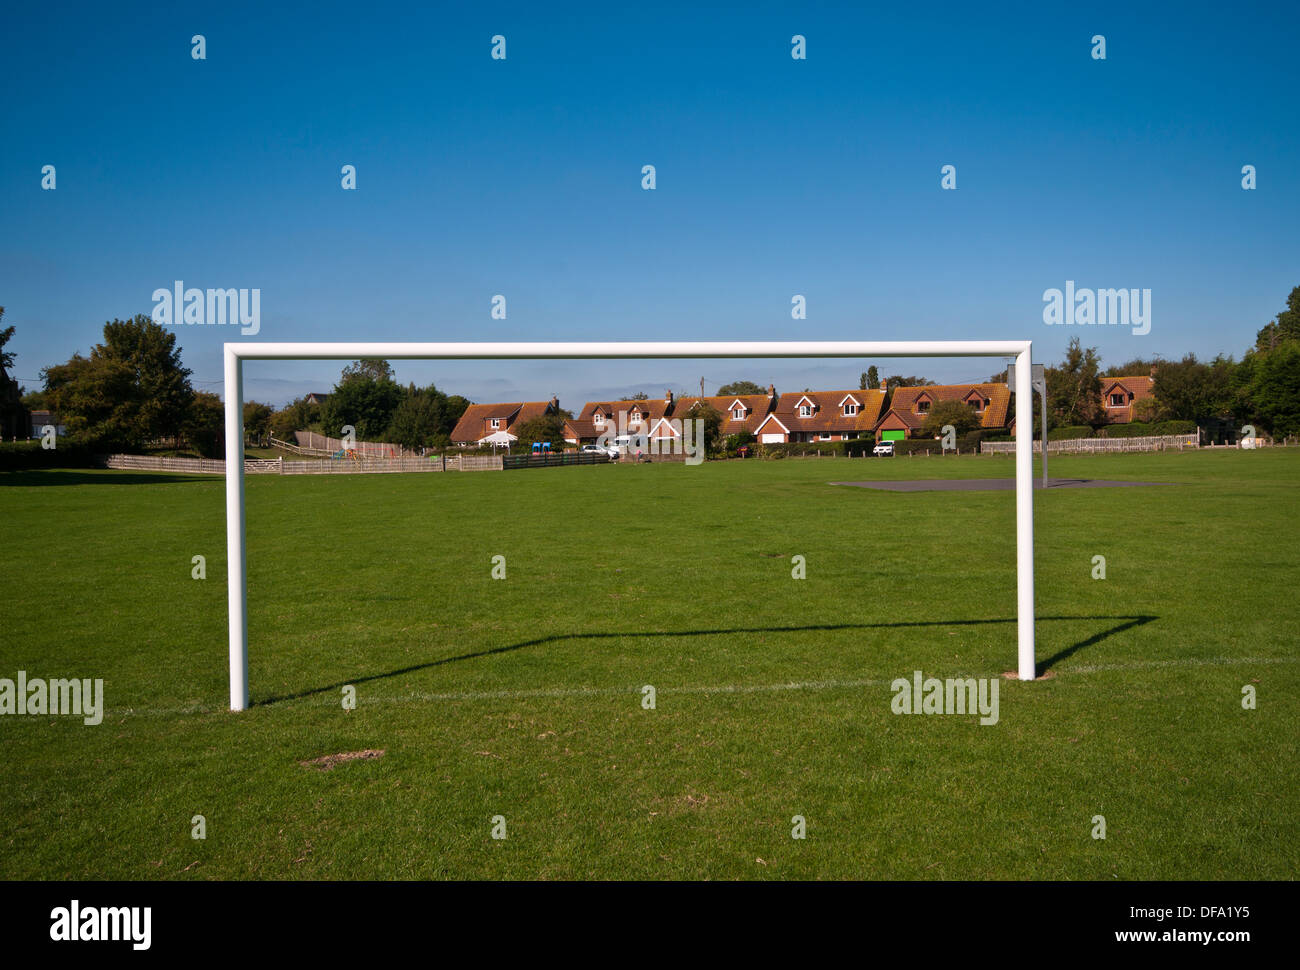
556, 692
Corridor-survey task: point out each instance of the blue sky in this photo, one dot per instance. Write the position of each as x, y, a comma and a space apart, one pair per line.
522, 177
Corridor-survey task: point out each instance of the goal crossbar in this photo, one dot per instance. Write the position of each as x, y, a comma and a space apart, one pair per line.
237, 353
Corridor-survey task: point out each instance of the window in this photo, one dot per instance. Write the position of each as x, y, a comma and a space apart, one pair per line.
976, 405
850, 410
805, 410
496, 423
598, 419
825, 437
1117, 400
738, 414
922, 407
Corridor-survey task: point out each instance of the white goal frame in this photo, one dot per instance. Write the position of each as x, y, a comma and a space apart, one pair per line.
237, 353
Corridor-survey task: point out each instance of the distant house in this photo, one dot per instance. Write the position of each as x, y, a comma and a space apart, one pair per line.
659, 418
42, 418
616, 417
743, 412
1119, 394
911, 406
315, 398
822, 416
491, 424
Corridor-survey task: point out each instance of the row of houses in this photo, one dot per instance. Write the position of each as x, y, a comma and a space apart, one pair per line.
796, 416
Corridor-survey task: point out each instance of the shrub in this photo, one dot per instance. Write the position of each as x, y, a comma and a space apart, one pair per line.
1070, 432
18, 455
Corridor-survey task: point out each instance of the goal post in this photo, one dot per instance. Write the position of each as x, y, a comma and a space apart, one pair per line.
237, 353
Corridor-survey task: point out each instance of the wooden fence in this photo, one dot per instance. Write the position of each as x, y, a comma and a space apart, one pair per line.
324, 466
191, 466
319, 444
1095, 445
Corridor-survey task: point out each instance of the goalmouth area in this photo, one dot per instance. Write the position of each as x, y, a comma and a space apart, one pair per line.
237, 353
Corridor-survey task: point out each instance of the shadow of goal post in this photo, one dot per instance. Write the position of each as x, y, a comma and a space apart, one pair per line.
237, 353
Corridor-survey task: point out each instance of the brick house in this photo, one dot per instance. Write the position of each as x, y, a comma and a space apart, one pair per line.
492, 423
743, 412
822, 416
597, 417
911, 405
1119, 394
654, 418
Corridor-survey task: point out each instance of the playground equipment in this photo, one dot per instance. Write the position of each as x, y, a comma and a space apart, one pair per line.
541, 447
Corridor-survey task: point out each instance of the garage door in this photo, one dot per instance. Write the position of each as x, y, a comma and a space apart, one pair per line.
772, 439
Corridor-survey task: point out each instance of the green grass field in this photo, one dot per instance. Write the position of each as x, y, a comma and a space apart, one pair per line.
521, 697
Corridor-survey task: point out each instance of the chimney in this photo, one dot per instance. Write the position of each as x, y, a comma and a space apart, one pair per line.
771, 390
1153, 370
884, 389
555, 402
668, 397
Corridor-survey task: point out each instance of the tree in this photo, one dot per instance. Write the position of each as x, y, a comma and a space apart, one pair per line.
870, 380
544, 427
204, 426
1146, 410
1192, 390
97, 401
129, 391
418, 419
1074, 388
712, 419
15, 416
257, 420
452, 411
1137, 367
6, 356
1273, 388
298, 415
1283, 329
375, 368
150, 351
899, 381
366, 397
959, 414
737, 388
638, 396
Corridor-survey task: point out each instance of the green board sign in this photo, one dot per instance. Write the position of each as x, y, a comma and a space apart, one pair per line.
893, 435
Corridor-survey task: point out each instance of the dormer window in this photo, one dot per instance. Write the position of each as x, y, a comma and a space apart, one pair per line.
598, 419
636, 417
922, 407
850, 410
1117, 400
496, 423
805, 410
738, 414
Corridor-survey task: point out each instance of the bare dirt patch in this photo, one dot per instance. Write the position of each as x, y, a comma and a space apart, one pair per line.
328, 761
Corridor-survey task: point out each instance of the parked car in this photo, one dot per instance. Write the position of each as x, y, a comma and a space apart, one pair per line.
611, 451
884, 448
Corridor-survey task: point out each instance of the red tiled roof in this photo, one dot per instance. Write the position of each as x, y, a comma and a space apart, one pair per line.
1134, 389
828, 415
475, 424
757, 407
997, 396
